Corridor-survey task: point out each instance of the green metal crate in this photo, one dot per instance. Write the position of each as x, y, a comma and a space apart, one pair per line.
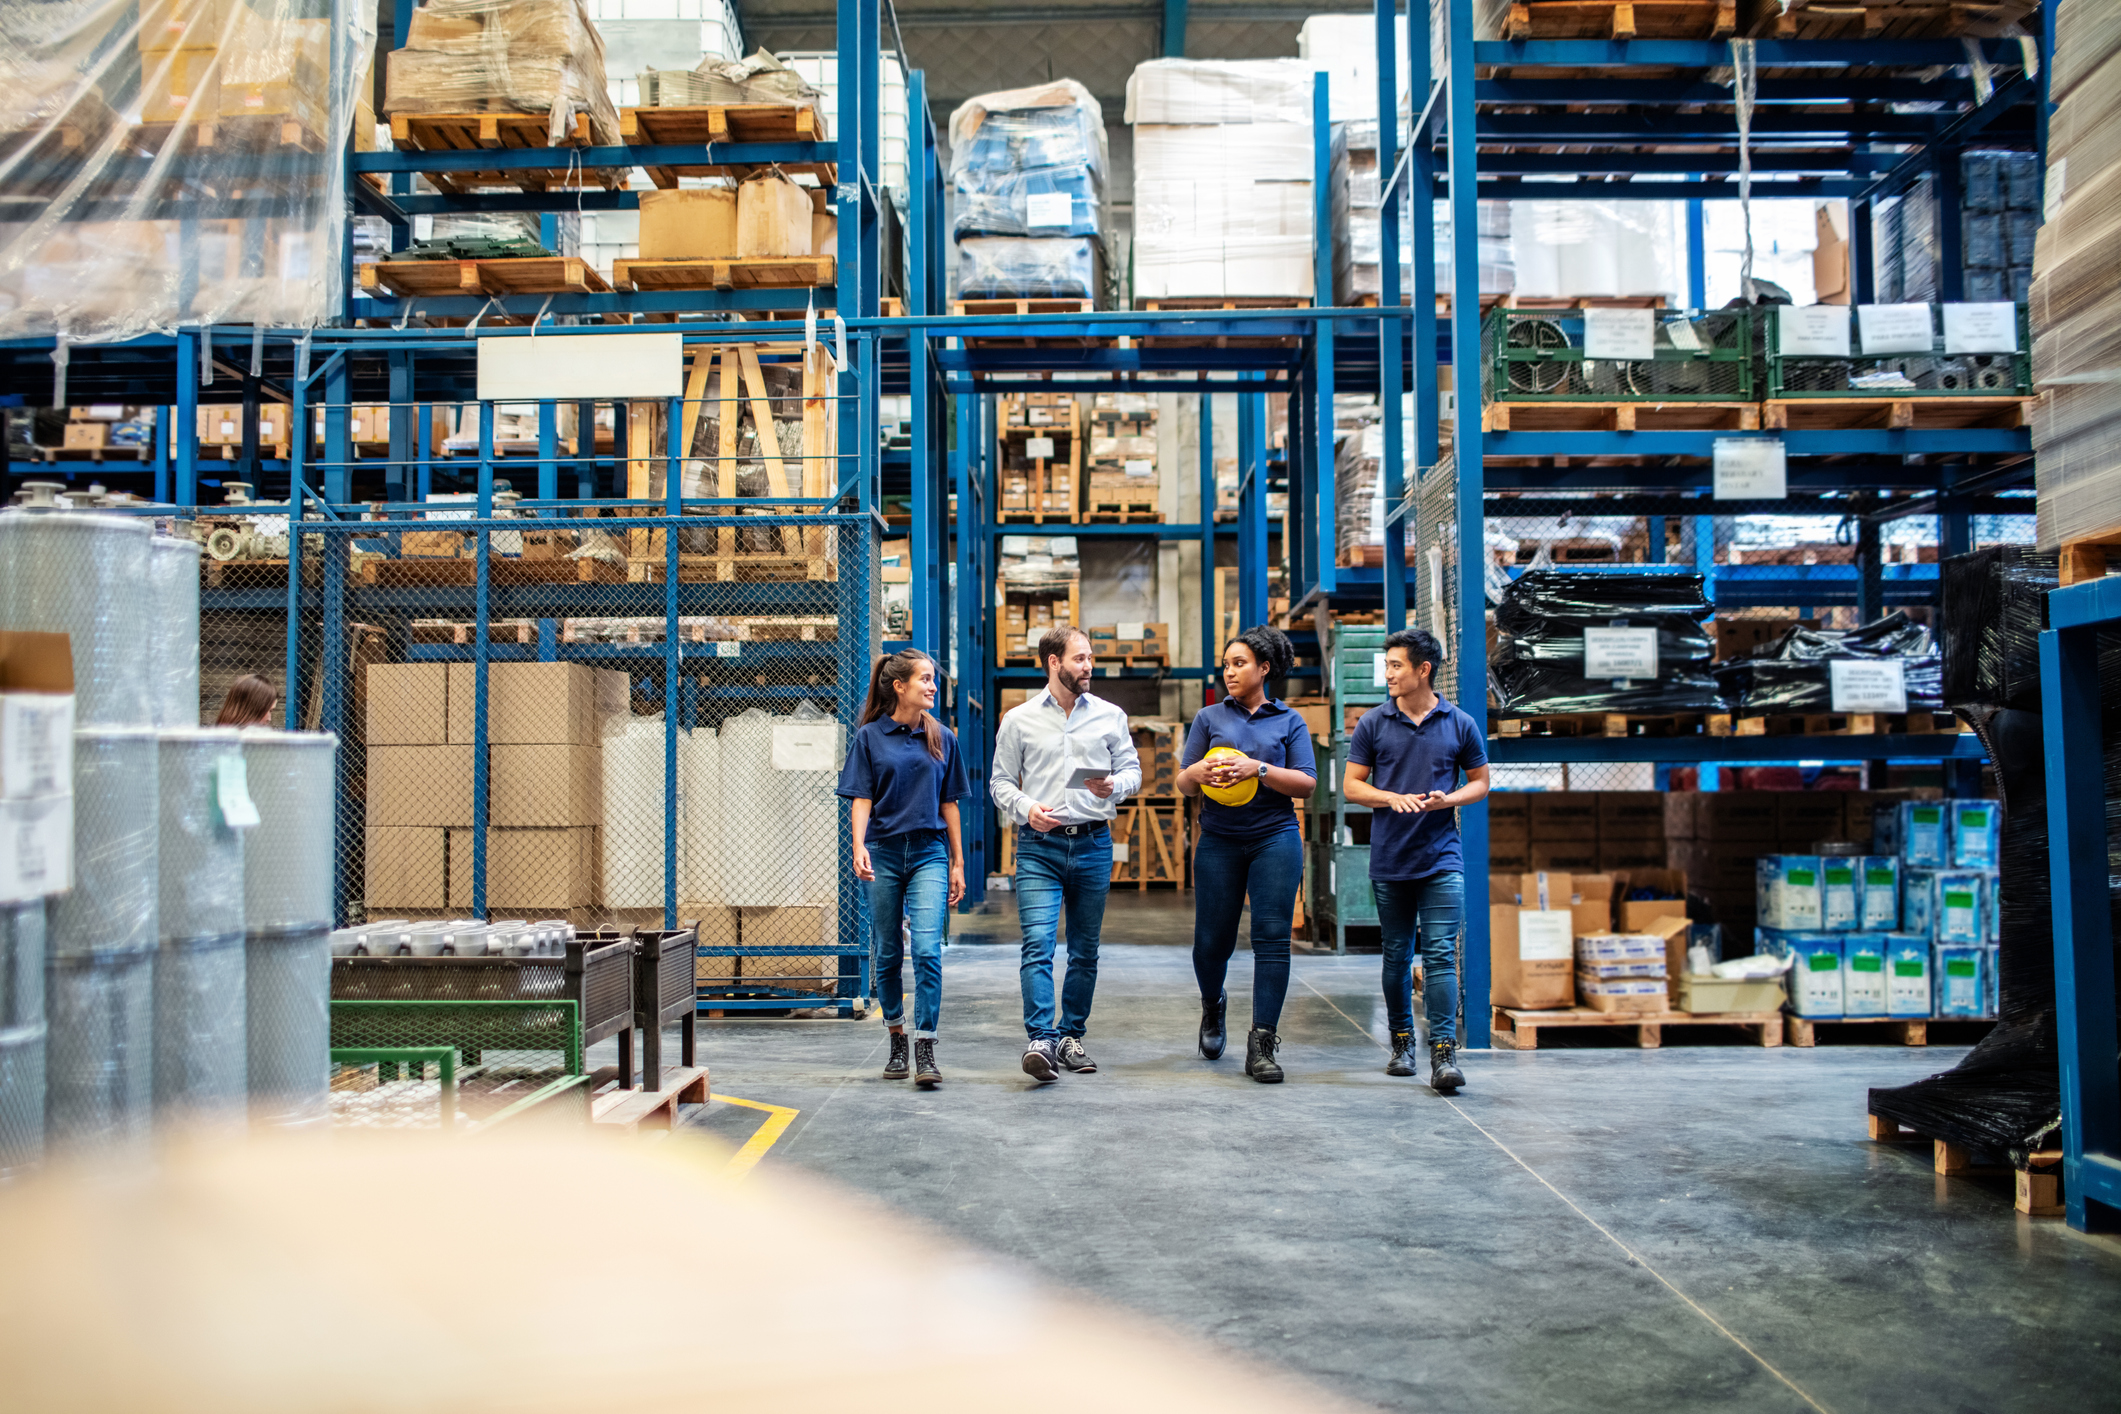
1341, 892
470, 1028
1936, 374
1536, 355
1351, 668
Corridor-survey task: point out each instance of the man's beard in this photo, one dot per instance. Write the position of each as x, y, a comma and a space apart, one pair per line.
1075, 683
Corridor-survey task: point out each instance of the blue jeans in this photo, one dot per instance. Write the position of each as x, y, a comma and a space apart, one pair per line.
1053, 871
1428, 913
1225, 870
912, 886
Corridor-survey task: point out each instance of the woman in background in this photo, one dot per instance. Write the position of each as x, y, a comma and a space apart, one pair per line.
249, 703
905, 777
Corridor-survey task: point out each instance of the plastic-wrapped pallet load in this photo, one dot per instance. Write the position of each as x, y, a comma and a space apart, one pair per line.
1559, 651
200, 1058
1795, 673
504, 56
1358, 201
84, 574
1223, 167
134, 109
288, 863
2076, 295
1027, 171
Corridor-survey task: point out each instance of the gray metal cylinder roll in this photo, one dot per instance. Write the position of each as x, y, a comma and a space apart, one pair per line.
99, 1078
287, 979
200, 859
84, 575
173, 632
21, 1097
288, 859
22, 949
202, 1059
116, 823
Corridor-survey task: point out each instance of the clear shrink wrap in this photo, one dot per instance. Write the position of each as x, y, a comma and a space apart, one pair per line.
505, 56
1002, 267
1029, 162
1235, 91
120, 114
1223, 209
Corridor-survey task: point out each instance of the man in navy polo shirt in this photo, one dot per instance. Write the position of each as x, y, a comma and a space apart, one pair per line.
1404, 762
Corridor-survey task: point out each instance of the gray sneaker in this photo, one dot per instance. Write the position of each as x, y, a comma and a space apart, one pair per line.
1075, 1058
1040, 1062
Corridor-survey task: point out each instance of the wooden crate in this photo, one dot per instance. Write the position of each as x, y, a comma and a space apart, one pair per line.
757, 272
1154, 838
1007, 653
1065, 427
692, 124
461, 132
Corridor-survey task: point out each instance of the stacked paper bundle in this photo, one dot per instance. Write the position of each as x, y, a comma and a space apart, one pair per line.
504, 56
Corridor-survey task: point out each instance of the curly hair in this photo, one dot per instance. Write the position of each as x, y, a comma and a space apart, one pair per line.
1269, 647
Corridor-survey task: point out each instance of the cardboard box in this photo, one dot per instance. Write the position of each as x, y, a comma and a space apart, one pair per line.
824, 233
897, 562
1623, 856
1563, 809
688, 224
406, 867
1708, 995
1638, 915
1830, 257
536, 704
1732, 816
419, 785
1531, 957
276, 68
408, 704
547, 787
772, 217
180, 24
790, 927
36, 715
1591, 901
1565, 858
1510, 861
1630, 815
1680, 815
180, 85
1317, 713
1804, 818
717, 925
1509, 835
1509, 804
527, 871
1737, 637
86, 436
1644, 994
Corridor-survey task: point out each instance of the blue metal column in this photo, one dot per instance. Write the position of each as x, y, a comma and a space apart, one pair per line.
1328, 527
1251, 510
423, 450
399, 480
1472, 646
1390, 356
973, 711
585, 451
338, 433
868, 78
1210, 650
184, 436
549, 454
1697, 257
1174, 36
2077, 864
1297, 539
161, 447
673, 649
482, 615
291, 689
852, 194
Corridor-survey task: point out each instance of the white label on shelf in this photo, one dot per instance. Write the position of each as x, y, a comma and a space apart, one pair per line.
1813, 331
1043, 210
1619, 333
727, 648
1681, 333
1377, 670
1868, 685
804, 746
574, 367
1620, 652
1545, 935
1038, 448
1751, 469
1980, 328
36, 743
232, 792
1119, 847
1140, 466
1129, 632
1894, 328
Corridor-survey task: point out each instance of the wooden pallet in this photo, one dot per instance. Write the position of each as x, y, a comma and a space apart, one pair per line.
2087, 557
48, 455
2038, 1185
1879, 19
1133, 660
1558, 303
467, 132
1599, 724
513, 275
1514, 1029
1835, 724
1622, 19
1619, 417
1211, 304
694, 124
501, 573
1004, 308
230, 451
1916, 413
757, 272
244, 134
1154, 839
1105, 509
632, 1110
736, 567
1904, 1031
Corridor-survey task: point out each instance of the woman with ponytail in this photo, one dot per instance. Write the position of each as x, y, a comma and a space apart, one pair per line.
905, 778
1250, 755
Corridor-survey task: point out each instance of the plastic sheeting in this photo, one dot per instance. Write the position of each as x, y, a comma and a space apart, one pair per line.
288, 858
184, 168
701, 847
1994, 601
114, 898
84, 574
1001, 267
1543, 615
633, 813
1029, 162
509, 56
100, 1051
173, 632
1791, 674
201, 857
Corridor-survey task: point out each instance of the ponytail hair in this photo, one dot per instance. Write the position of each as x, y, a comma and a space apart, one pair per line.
891, 670
1270, 647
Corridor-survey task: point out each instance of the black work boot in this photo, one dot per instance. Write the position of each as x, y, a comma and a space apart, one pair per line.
926, 1073
896, 1068
1444, 1075
1211, 1026
1259, 1055
1402, 1062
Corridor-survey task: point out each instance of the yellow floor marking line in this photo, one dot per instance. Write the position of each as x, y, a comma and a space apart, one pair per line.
778, 1118
1636, 1257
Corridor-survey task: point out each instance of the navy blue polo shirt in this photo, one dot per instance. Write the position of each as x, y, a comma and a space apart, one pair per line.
889, 765
1410, 758
1275, 734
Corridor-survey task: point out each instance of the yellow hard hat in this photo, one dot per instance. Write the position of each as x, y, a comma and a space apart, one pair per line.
1230, 795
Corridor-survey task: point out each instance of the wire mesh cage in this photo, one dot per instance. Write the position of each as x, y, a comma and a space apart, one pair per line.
1534, 355
1831, 352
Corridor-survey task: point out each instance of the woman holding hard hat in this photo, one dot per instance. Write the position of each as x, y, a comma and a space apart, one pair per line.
1250, 756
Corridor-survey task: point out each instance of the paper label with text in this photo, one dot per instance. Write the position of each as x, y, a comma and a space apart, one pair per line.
1620, 652
1867, 684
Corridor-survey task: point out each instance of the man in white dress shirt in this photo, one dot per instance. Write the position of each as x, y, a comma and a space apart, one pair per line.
1063, 762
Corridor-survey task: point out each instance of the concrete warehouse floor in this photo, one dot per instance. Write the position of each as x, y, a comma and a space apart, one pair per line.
1582, 1229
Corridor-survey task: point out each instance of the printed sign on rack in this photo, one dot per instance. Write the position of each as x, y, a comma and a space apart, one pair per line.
805, 746
1751, 469
1629, 334
1046, 210
1812, 331
1139, 466
1546, 935
1867, 684
1039, 448
1894, 328
1620, 652
1980, 328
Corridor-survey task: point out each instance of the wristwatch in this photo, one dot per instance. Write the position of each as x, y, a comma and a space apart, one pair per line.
1262, 770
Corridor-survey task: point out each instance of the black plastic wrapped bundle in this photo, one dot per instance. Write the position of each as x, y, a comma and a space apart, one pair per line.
1791, 673
1538, 664
1992, 615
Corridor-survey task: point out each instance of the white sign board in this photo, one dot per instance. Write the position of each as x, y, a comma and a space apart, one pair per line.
580, 367
1048, 209
1545, 935
1751, 469
1620, 652
1139, 466
36, 744
1867, 684
1038, 448
1129, 632
1894, 328
1980, 328
1813, 331
805, 746
1620, 333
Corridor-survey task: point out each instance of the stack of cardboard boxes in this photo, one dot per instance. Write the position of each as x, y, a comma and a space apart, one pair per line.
1122, 464
545, 785
1131, 640
1038, 583
1158, 745
1582, 832
1716, 836
1041, 454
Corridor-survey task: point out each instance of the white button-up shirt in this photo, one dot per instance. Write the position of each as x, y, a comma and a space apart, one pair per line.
1039, 747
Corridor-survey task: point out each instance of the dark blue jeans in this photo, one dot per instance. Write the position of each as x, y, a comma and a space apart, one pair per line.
1425, 913
912, 887
1056, 871
1225, 870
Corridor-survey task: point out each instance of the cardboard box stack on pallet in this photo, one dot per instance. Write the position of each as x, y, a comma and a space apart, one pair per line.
1579, 831
1122, 461
545, 785
1041, 457
1131, 641
541, 57
1038, 585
